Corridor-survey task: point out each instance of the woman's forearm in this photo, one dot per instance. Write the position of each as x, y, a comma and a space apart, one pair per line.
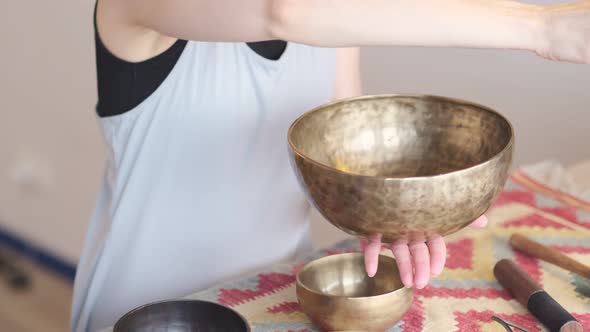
559, 32
443, 23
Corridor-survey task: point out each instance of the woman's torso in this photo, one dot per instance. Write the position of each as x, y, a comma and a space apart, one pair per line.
198, 186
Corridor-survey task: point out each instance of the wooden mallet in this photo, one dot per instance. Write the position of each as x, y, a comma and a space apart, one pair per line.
540, 304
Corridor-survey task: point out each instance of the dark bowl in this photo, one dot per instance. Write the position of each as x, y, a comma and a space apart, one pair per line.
182, 315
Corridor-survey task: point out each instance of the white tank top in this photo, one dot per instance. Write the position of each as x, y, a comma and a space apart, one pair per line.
198, 188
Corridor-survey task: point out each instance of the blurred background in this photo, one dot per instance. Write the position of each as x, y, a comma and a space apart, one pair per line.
51, 152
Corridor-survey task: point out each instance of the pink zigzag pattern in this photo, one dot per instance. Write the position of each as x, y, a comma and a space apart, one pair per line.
568, 213
463, 293
460, 254
267, 283
285, 308
413, 320
534, 220
509, 197
526, 197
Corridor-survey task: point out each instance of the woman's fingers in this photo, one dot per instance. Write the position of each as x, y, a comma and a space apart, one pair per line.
416, 261
401, 252
480, 222
372, 251
438, 254
421, 258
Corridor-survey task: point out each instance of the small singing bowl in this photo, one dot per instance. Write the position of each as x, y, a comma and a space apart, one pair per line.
182, 315
337, 295
407, 167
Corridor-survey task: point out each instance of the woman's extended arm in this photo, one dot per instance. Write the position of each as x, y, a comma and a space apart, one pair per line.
554, 31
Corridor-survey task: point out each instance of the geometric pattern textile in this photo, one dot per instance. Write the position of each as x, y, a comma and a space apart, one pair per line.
466, 295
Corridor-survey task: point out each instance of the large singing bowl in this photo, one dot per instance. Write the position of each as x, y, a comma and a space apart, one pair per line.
404, 166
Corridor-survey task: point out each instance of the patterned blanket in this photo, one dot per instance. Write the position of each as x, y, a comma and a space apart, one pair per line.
466, 295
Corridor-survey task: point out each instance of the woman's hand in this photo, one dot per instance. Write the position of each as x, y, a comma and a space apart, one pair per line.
416, 261
566, 32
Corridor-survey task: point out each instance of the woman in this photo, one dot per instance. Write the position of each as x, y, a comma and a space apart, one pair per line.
195, 98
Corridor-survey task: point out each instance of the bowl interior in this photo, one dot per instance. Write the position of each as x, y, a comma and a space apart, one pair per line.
400, 136
182, 316
344, 275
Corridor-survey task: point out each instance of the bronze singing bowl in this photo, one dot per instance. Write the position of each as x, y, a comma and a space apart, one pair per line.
337, 295
404, 166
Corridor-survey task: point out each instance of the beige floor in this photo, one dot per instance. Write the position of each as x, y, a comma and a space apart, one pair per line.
45, 307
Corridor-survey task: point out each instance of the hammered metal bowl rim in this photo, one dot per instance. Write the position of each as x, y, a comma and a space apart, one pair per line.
143, 306
458, 101
348, 298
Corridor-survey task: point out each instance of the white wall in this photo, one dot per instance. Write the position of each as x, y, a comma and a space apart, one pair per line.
47, 94
48, 130
547, 102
